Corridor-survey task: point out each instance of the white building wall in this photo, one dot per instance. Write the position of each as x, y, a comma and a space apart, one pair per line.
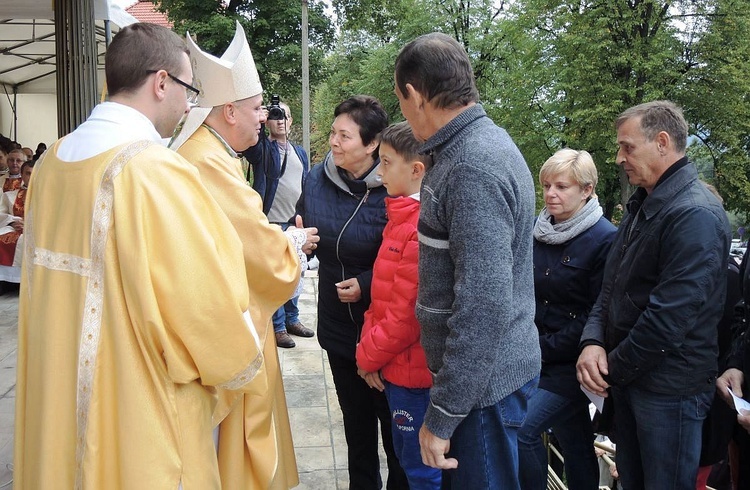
37, 118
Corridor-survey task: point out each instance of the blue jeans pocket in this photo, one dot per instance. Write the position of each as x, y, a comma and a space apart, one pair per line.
513, 407
703, 403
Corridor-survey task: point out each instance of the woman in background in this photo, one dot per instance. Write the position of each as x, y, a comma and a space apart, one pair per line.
571, 242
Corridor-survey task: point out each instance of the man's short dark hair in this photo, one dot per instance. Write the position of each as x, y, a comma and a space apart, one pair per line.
400, 137
29, 164
657, 116
368, 113
437, 66
138, 48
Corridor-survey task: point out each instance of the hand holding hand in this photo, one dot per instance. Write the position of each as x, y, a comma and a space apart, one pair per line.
349, 290
311, 243
591, 365
434, 449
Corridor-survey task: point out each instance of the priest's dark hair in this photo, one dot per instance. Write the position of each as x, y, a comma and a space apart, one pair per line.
139, 49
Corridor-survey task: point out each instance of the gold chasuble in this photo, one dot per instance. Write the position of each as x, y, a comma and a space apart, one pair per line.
132, 309
255, 439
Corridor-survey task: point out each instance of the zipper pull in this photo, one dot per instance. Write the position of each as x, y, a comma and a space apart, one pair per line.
364, 199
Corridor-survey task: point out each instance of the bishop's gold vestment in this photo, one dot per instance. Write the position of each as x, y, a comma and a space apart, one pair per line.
255, 441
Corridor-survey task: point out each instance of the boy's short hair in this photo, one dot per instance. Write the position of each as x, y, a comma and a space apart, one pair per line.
400, 137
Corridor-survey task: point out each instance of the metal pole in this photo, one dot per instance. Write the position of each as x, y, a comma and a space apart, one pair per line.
305, 82
15, 113
75, 48
107, 33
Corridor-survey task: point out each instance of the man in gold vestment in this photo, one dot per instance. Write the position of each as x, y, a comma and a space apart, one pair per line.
133, 304
255, 441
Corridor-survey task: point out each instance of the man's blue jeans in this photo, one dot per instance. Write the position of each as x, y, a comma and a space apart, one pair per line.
485, 445
408, 406
571, 424
658, 438
286, 315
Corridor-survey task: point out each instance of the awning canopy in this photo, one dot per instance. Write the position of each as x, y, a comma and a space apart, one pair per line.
27, 43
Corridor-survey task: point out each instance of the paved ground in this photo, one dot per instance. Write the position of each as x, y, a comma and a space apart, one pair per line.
313, 408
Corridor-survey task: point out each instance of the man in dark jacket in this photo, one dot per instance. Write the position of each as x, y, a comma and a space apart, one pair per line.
738, 373
652, 334
279, 169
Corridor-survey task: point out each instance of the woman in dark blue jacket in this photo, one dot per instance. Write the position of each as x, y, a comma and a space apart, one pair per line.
344, 199
571, 242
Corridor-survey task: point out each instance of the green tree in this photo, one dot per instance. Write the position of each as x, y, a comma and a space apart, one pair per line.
274, 33
575, 65
590, 61
717, 100
373, 32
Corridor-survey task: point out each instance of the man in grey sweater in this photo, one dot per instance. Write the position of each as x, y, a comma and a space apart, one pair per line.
476, 292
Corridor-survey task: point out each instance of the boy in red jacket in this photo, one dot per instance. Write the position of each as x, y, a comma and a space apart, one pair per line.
389, 356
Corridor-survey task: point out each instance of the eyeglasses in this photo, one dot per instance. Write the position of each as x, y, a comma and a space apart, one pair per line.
192, 92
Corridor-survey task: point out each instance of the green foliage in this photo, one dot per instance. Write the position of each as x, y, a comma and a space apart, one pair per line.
274, 33
717, 100
554, 73
354, 68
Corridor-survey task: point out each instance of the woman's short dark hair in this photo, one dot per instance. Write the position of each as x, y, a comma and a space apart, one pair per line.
437, 66
137, 49
368, 113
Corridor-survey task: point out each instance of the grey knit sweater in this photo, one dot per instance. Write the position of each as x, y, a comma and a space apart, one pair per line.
476, 290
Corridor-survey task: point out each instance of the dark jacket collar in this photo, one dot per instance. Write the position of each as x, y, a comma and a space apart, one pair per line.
671, 170
679, 175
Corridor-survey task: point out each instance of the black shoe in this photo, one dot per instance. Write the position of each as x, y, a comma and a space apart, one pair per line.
299, 330
284, 340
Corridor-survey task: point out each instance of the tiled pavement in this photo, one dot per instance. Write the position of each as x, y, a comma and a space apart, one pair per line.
8, 350
314, 412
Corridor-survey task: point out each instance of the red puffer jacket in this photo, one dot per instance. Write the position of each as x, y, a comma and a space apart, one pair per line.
390, 335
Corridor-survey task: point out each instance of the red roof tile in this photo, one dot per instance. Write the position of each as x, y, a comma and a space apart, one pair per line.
145, 11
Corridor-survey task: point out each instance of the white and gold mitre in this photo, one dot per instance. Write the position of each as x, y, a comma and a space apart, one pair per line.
227, 79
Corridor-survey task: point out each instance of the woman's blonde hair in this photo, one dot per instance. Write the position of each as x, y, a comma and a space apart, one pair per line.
579, 164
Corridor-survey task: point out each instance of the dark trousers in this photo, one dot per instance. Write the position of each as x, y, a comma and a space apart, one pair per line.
658, 438
362, 408
485, 444
742, 438
571, 424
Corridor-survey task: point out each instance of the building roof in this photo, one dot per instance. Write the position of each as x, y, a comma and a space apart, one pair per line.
145, 11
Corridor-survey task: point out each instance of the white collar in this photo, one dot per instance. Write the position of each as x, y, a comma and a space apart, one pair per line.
110, 124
